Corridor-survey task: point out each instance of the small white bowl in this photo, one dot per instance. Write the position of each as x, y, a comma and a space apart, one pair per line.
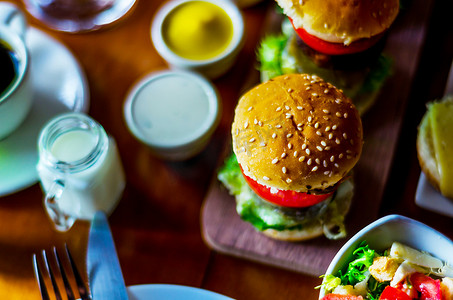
173, 112
213, 67
382, 233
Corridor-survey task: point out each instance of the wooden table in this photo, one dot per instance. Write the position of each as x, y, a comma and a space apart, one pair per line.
156, 226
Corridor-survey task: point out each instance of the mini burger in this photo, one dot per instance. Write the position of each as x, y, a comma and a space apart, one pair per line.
340, 41
295, 140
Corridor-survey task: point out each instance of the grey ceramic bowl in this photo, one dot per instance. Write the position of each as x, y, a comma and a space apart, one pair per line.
382, 233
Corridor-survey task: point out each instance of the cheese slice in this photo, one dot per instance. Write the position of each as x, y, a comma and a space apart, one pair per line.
441, 118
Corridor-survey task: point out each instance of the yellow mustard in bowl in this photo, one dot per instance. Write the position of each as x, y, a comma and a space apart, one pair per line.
198, 30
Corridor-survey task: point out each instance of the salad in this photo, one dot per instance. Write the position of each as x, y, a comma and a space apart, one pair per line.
400, 272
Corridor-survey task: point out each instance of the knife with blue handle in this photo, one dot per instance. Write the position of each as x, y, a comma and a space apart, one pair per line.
104, 271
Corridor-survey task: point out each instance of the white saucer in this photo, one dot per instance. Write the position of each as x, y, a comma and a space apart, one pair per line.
59, 86
171, 292
429, 198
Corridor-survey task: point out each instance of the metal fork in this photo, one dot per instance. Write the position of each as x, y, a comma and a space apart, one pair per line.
82, 289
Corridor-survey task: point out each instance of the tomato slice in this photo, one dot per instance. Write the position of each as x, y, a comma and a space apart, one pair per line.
391, 293
341, 297
335, 48
285, 198
427, 286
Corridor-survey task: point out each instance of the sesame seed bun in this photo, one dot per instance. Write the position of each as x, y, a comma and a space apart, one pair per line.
296, 132
341, 21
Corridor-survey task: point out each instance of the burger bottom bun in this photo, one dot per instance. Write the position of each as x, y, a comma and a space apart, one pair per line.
317, 228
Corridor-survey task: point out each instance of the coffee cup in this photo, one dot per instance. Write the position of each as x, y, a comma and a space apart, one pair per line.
15, 84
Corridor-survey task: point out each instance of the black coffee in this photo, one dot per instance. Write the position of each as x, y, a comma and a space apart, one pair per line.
8, 66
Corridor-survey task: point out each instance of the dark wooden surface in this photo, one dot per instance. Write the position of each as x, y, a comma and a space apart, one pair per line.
156, 226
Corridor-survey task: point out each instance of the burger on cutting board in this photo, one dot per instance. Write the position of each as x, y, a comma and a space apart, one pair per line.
340, 41
295, 140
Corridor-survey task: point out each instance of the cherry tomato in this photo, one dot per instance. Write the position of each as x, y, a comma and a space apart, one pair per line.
427, 286
391, 293
335, 48
341, 297
285, 198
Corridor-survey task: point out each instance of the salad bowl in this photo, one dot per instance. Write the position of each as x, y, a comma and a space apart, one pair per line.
380, 235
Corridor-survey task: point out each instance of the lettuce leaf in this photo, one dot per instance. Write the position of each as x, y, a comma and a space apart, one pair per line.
263, 215
269, 56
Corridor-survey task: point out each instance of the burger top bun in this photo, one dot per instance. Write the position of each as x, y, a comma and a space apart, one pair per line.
343, 21
296, 132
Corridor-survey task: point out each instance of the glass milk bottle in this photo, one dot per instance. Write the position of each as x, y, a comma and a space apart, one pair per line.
79, 169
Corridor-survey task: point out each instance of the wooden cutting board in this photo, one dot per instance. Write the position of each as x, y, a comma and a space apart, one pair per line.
225, 232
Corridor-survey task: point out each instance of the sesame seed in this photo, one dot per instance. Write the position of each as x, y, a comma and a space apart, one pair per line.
278, 126
337, 141
289, 116
252, 140
307, 151
318, 133
327, 148
302, 158
324, 163
315, 168
336, 165
332, 158
310, 118
308, 88
345, 115
304, 146
314, 95
323, 143
283, 155
348, 156
348, 151
300, 125
326, 26
290, 145
287, 107
299, 108
288, 180
317, 125
274, 135
317, 161
340, 155
266, 178
345, 135
289, 135
290, 90
278, 109
338, 100
309, 161
255, 121
263, 144
326, 91
295, 153
250, 108
284, 170
319, 148
326, 111
246, 124
338, 114
326, 173
334, 127
274, 161
260, 123
330, 136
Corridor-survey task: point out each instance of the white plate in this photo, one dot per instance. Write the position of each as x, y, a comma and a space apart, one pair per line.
429, 198
59, 86
171, 292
